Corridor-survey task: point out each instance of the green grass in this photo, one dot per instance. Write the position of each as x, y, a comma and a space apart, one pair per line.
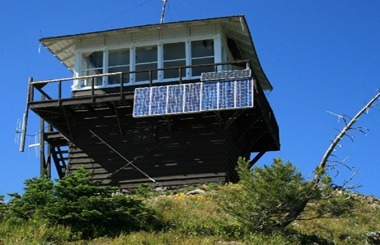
198, 219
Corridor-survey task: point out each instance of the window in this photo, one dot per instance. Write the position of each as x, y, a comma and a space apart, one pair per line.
146, 59
174, 56
202, 52
135, 62
118, 61
92, 64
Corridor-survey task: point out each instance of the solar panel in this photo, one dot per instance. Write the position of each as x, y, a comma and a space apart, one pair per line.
193, 97
244, 94
209, 96
141, 102
158, 100
226, 75
226, 95
175, 99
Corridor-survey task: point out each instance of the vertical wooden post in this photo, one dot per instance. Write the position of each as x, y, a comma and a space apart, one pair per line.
180, 74
59, 92
43, 170
92, 89
150, 78
121, 86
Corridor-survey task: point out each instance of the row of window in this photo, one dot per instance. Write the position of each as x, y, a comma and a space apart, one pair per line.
146, 58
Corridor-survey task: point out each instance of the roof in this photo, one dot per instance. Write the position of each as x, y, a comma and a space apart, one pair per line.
235, 27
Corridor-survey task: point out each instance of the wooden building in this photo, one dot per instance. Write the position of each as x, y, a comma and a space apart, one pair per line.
92, 119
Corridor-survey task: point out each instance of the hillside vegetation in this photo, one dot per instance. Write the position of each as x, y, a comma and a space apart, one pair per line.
75, 211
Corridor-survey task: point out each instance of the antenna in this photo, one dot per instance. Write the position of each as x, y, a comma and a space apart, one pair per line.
164, 2
36, 144
18, 132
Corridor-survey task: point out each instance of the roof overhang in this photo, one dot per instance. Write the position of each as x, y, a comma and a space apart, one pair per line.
235, 27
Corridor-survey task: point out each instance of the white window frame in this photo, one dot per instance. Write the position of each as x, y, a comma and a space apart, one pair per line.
132, 45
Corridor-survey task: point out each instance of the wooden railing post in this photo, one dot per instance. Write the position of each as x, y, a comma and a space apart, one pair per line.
92, 89
59, 92
180, 74
150, 78
121, 86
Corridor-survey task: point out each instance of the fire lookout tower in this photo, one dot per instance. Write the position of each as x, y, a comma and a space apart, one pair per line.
174, 103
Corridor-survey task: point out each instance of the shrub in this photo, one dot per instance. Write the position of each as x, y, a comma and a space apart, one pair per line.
265, 197
3, 207
78, 202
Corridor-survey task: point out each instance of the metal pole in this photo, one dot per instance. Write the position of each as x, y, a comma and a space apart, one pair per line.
25, 116
163, 11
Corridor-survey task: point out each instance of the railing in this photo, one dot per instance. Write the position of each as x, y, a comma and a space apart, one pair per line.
267, 113
58, 89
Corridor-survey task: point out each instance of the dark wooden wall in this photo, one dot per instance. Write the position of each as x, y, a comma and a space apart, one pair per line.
176, 150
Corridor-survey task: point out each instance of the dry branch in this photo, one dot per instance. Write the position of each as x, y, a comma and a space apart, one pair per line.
343, 132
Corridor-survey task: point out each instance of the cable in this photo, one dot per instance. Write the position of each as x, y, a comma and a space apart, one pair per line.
124, 158
117, 16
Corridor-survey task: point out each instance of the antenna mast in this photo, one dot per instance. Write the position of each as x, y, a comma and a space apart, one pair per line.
164, 2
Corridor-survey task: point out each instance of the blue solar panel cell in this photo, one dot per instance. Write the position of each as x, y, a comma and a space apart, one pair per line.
158, 100
209, 96
226, 95
141, 102
244, 96
175, 99
192, 97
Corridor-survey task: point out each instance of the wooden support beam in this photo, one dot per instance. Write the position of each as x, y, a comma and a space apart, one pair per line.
256, 158
43, 93
251, 124
255, 139
233, 118
68, 123
114, 107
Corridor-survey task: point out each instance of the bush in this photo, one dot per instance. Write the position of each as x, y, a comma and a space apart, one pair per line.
3, 207
266, 197
81, 204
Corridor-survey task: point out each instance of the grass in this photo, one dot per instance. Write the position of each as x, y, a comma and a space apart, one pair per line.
198, 219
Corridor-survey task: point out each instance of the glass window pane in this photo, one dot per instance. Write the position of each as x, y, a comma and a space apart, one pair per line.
173, 51
118, 57
116, 78
93, 59
198, 70
97, 80
202, 48
144, 76
174, 73
146, 54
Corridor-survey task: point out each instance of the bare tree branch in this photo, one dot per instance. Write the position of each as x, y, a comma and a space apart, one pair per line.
348, 127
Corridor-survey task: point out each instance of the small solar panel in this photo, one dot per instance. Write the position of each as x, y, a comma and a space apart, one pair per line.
158, 100
226, 95
141, 102
175, 99
244, 94
193, 97
226, 75
209, 96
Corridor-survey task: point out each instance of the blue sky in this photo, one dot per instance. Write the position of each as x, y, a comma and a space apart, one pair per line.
319, 56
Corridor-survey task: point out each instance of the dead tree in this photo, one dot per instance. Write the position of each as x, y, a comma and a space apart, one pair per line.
348, 127
297, 210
